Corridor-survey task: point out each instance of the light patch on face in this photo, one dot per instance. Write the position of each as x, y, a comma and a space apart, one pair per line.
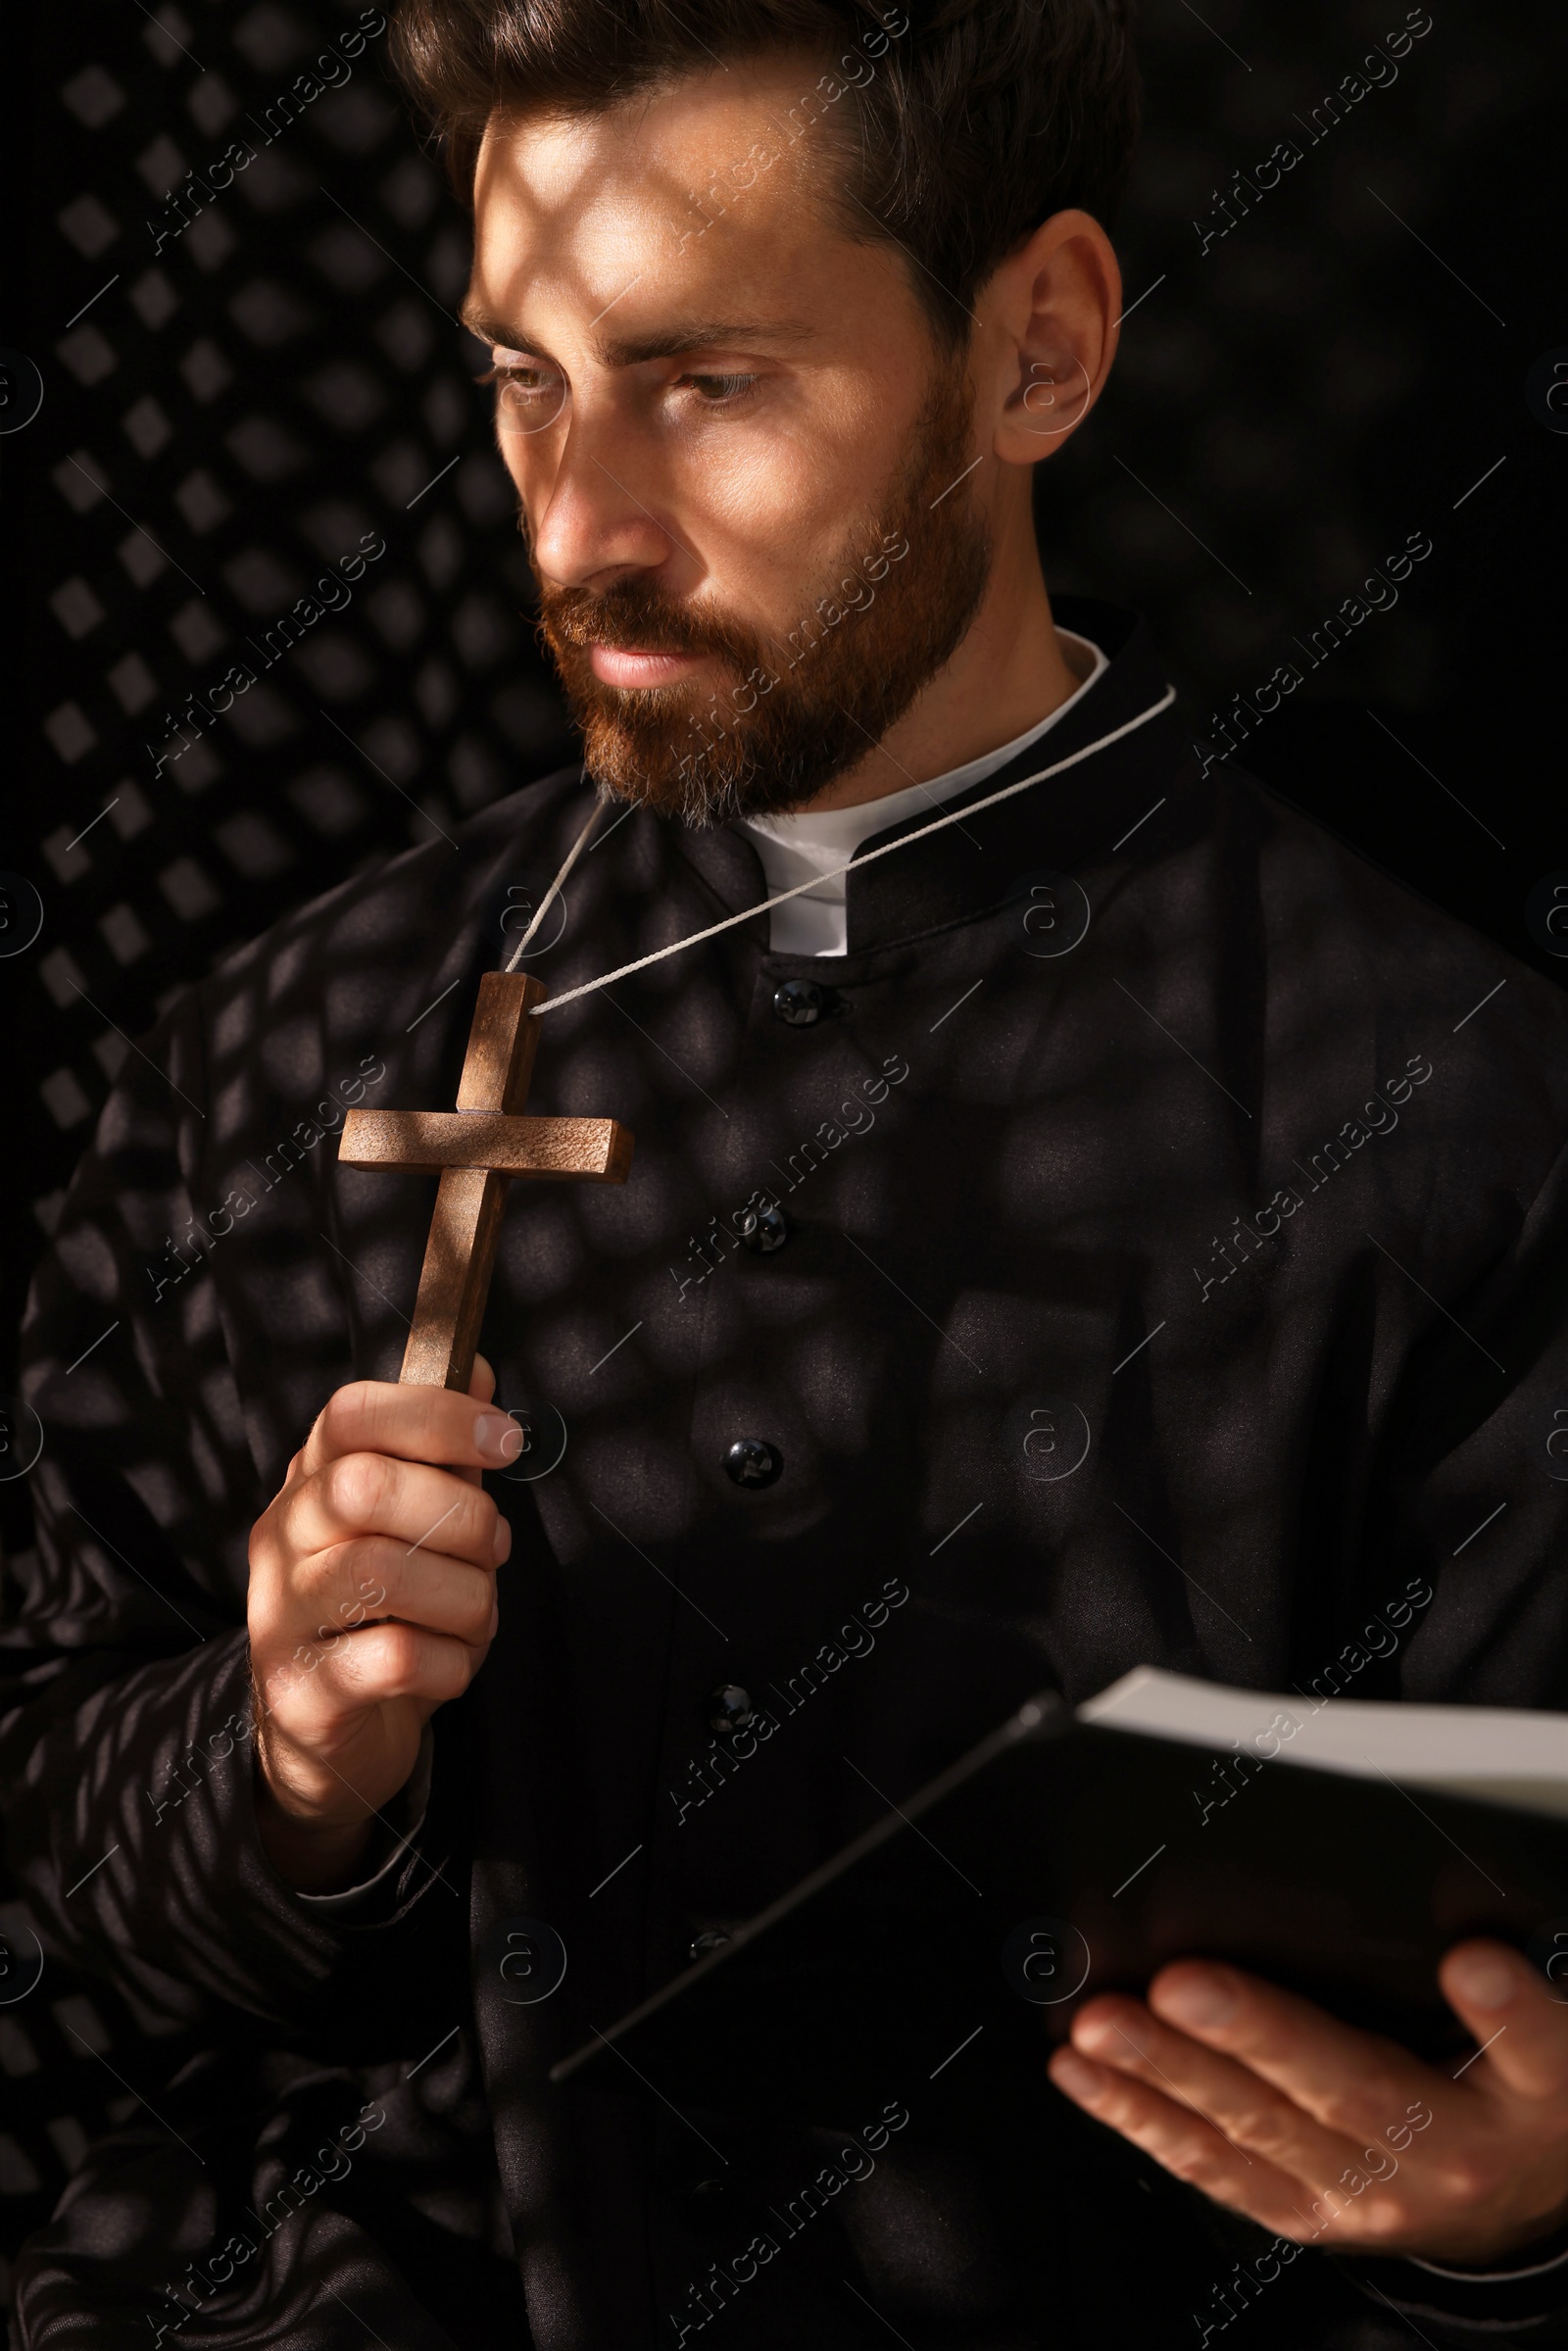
716, 503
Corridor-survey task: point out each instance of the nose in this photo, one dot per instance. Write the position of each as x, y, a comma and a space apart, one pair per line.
595, 523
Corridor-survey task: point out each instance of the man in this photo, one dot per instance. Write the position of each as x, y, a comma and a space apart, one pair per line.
1059, 1117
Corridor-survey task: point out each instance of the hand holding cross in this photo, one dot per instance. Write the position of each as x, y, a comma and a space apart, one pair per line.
381, 1521
479, 1147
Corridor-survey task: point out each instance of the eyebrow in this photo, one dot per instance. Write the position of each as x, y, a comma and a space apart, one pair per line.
630, 351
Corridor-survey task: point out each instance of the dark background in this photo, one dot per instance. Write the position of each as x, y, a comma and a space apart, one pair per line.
1373, 340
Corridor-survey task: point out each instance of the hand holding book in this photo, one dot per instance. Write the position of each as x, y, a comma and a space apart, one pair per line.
1310, 1956
1330, 2135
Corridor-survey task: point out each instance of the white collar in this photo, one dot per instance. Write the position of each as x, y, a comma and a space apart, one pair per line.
798, 846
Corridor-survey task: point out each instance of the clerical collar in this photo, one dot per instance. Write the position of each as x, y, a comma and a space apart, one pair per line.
795, 848
1118, 756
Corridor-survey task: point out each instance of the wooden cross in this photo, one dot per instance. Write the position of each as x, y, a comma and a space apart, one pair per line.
479, 1147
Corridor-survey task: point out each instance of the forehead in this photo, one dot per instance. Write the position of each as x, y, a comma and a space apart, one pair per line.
719, 180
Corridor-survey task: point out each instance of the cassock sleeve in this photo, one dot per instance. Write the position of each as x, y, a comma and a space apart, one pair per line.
126, 1749
1522, 2301
1468, 1504
374, 1896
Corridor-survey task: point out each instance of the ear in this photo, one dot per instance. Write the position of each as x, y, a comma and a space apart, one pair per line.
1050, 316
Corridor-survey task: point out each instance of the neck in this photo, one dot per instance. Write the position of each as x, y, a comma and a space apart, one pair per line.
1010, 672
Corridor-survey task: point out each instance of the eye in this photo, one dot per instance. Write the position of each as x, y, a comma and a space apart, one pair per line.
521, 376
531, 395
720, 391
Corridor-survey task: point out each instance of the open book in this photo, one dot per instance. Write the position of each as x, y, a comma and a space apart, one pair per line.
1339, 1846
1498, 1752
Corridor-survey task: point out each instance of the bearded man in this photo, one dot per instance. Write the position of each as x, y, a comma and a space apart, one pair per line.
1078, 1100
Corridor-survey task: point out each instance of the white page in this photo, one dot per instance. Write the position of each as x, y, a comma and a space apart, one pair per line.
1499, 1752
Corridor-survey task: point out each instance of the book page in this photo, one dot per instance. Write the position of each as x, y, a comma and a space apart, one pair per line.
1502, 1754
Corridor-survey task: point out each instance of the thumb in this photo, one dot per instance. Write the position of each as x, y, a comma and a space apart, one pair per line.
1511, 2011
481, 1386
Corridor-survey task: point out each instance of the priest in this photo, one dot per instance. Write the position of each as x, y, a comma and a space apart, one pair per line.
1081, 1215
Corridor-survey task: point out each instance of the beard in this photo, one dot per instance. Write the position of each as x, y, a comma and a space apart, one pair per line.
791, 716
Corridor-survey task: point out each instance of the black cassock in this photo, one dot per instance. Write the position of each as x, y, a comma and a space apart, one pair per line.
1257, 1185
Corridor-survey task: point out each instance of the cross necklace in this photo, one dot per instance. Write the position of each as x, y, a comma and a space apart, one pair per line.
481, 1146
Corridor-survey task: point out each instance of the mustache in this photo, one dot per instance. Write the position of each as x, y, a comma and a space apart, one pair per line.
636, 618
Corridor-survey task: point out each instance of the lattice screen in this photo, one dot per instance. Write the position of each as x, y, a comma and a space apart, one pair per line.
282, 385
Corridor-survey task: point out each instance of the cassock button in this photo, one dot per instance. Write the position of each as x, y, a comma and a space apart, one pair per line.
710, 1939
728, 1710
708, 2206
752, 1461
799, 1003
763, 1230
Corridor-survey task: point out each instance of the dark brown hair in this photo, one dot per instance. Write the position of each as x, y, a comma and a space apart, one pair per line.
965, 122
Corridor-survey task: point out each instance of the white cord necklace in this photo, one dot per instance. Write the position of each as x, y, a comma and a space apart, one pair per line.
972, 808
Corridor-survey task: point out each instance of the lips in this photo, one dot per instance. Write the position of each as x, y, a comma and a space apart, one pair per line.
614, 665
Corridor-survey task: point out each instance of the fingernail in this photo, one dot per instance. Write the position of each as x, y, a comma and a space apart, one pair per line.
497, 1438
1077, 2078
501, 1542
1482, 1979
1095, 2033
1202, 2001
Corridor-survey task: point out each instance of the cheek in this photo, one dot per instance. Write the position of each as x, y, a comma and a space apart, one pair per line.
756, 519
776, 504
514, 456
533, 463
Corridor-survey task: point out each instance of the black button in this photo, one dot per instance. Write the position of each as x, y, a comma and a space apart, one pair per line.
751, 1461
763, 1230
799, 1003
707, 2205
728, 1710
710, 1939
